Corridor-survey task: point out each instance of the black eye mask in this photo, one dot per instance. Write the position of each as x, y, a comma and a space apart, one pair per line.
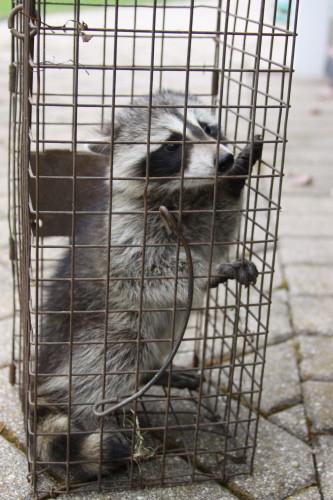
166, 160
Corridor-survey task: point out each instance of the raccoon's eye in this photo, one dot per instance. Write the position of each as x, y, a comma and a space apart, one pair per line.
210, 130
172, 146
207, 129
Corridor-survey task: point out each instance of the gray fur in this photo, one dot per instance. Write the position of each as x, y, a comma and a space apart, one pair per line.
119, 357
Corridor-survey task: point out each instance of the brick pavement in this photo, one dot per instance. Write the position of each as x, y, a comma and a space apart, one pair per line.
294, 456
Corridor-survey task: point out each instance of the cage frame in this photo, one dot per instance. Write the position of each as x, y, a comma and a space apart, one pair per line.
26, 199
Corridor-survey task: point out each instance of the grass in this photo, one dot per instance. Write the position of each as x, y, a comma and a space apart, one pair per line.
6, 5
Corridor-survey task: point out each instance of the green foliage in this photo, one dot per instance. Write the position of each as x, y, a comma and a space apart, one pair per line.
5, 6
58, 5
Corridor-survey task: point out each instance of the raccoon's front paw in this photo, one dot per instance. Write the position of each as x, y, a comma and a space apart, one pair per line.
242, 270
243, 164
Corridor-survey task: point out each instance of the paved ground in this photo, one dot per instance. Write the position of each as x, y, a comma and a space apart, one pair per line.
294, 457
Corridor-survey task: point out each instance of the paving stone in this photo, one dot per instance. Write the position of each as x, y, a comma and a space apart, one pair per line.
281, 382
304, 165
316, 358
5, 341
6, 303
314, 143
283, 465
5, 232
304, 134
279, 327
193, 491
292, 420
308, 494
14, 470
278, 276
310, 280
306, 251
306, 158
10, 407
312, 314
279, 323
318, 187
4, 236
303, 224
324, 455
305, 205
202, 490
3, 171
14, 474
3, 212
318, 401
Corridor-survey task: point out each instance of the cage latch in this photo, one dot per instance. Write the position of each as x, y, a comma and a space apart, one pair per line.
215, 81
11, 27
12, 249
12, 78
170, 225
12, 374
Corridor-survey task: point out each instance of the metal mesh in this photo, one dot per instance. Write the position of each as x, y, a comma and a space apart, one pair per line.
73, 70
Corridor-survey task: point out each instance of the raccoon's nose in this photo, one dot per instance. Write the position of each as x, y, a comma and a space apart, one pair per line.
226, 160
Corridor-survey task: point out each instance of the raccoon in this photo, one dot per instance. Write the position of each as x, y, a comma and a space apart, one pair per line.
94, 345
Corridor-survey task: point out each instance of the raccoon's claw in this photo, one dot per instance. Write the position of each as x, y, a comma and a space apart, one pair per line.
242, 270
243, 164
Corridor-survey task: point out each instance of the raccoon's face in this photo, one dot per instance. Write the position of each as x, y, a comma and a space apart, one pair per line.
167, 152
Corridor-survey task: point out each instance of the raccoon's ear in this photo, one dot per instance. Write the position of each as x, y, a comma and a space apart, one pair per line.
102, 143
100, 146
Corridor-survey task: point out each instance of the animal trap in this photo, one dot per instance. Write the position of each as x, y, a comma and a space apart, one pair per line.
146, 158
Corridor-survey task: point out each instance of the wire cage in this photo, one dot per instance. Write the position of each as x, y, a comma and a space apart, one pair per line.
80, 220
